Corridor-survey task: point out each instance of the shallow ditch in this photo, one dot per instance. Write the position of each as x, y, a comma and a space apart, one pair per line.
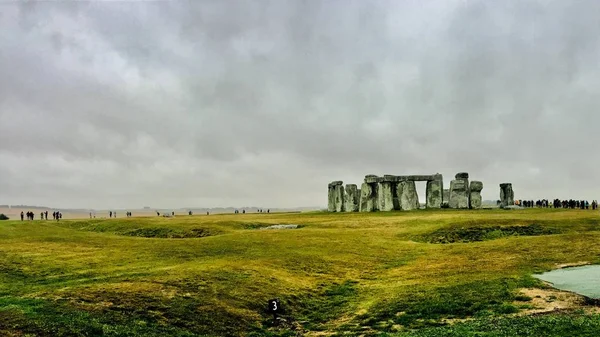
479, 233
168, 233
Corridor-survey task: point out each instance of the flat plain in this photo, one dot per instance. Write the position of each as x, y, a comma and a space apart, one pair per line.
419, 273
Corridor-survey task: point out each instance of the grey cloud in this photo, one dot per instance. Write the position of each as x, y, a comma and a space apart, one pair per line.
106, 104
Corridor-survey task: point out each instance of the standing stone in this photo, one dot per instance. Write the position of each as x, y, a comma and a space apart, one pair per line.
368, 197
335, 196
507, 195
433, 194
394, 186
459, 193
331, 195
352, 198
409, 199
385, 197
475, 197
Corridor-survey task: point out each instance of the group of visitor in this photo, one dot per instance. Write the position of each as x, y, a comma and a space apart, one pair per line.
557, 203
43, 215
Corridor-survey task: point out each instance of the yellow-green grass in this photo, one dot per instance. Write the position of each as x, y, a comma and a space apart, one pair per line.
352, 273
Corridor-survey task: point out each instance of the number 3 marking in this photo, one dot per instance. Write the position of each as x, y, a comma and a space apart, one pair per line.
274, 306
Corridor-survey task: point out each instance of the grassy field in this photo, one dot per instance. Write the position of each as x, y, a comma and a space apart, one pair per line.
420, 273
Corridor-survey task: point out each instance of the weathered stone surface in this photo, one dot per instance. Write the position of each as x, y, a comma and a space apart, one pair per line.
372, 179
476, 186
331, 196
507, 195
446, 198
434, 194
368, 197
409, 199
335, 197
459, 194
475, 194
395, 178
385, 197
461, 175
352, 198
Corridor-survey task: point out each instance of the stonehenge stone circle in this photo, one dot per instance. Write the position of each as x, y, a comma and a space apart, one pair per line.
352, 198
475, 196
507, 195
392, 192
336, 197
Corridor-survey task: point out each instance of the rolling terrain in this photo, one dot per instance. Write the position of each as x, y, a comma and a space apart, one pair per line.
420, 273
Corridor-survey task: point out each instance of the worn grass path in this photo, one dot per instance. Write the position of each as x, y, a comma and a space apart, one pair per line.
397, 273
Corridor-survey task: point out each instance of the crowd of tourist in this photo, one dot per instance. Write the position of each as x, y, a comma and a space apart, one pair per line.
43, 215
557, 203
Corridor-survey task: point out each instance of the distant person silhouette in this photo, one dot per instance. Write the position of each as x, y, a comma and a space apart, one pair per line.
22, 215
46, 214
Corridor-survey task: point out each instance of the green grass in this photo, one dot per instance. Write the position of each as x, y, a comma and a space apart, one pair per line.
393, 273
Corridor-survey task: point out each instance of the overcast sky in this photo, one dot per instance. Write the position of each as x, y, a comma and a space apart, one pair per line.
232, 103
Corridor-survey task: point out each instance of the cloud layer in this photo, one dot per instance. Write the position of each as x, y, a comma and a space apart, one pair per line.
174, 104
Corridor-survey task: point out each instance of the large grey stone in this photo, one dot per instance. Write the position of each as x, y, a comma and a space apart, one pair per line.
507, 195
385, 196
352, 198
409, 199
368, 197
331, 192
461, 175
434, 194
335, 196
459, 194
372, 179
475, 194
395, 178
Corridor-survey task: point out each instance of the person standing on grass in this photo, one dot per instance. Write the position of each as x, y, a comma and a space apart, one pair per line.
22, 215
42, 216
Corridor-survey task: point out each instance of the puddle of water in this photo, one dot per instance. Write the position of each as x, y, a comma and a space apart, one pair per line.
582, 280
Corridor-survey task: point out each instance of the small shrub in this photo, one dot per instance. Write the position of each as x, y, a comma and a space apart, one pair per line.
3, 217
523, 298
